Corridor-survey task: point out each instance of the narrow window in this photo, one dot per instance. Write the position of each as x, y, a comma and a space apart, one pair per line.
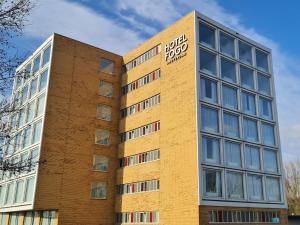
227, 44
263, 84
209, 90
250, 130
231, 125
207, 35
252, 156
43, 80
213, 184
228, 70
247, 78
265, 108
233, 154
273, 187
235, 186
46, 55
229, 97
208, 62
270, 161
209, 119
255, 191
248, 103
211, 149
268, 136
245, 53
262, 61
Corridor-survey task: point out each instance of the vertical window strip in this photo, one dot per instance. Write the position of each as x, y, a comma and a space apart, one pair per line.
143, 58
140, 158
141, 131
137, 217
141, 106
138, 187
141, 82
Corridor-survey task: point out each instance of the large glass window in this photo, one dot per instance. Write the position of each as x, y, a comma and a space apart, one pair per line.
248, 103
46, 55
24, 94
228, 70
13, 219
105, 89
37, 132
270, 161
231, 125
100, 163
229, 97
43, 80
208, 62
29, 189
27, 136
255, 188
36, 64
33, 87
104, 112
29, 218
9, 194
30, 111
263, 84
107, 66
209, 119
245, 53
227, 44
213, 183
207, 35
22, 117
262, 61
252, 157
250, 130
247, 78
2, 194
211, 149
235, 186
98, 190
265, 108
268, 136
48, 218
102, 137
209, 90
40, 105
19, 191
273, 187
233, 154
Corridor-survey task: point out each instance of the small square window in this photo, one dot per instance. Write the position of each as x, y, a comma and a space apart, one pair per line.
104, 112
102, 137
208, 62
98, 190
107, 66
247, 78
262, 61
105, 89
227, 44
100, 163
207, 35
245, 53
228, 70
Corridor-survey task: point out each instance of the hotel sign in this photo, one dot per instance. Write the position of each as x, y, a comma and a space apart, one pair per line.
176, 49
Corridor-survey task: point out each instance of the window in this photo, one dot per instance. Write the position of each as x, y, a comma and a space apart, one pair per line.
24, 94
233, 154
137, 187
27, 71
30, 111
27, 136
100, 163
227, 44
36, 64
250, 130
268, 136
37, 131
105, 89
137, 217
228, 70
46, 55
9, 194
2, 194
140, 158
262, 61
98, 190
255, 191
29, 218
48, 218
22, 117
29, 189
104, 112
107, 66
209, 90
235, 187
13, 219
213, 183
102, 137
208, 62
43, 80
18, 80
231, 125
229, 97
33, 87
270, 161
248, 103
252, 157
247, 78
207, 35
263, 84
245, 53
273, 187
265, 109
211, 149
40, 105
19, 191
209, 119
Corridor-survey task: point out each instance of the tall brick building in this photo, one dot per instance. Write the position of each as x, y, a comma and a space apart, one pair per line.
181, 130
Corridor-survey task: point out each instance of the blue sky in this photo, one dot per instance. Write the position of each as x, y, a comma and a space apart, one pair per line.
97, 23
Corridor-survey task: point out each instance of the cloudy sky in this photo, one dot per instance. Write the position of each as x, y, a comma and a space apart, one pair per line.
121, 25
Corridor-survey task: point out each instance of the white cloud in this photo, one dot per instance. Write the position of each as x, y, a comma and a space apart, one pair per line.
81, 23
